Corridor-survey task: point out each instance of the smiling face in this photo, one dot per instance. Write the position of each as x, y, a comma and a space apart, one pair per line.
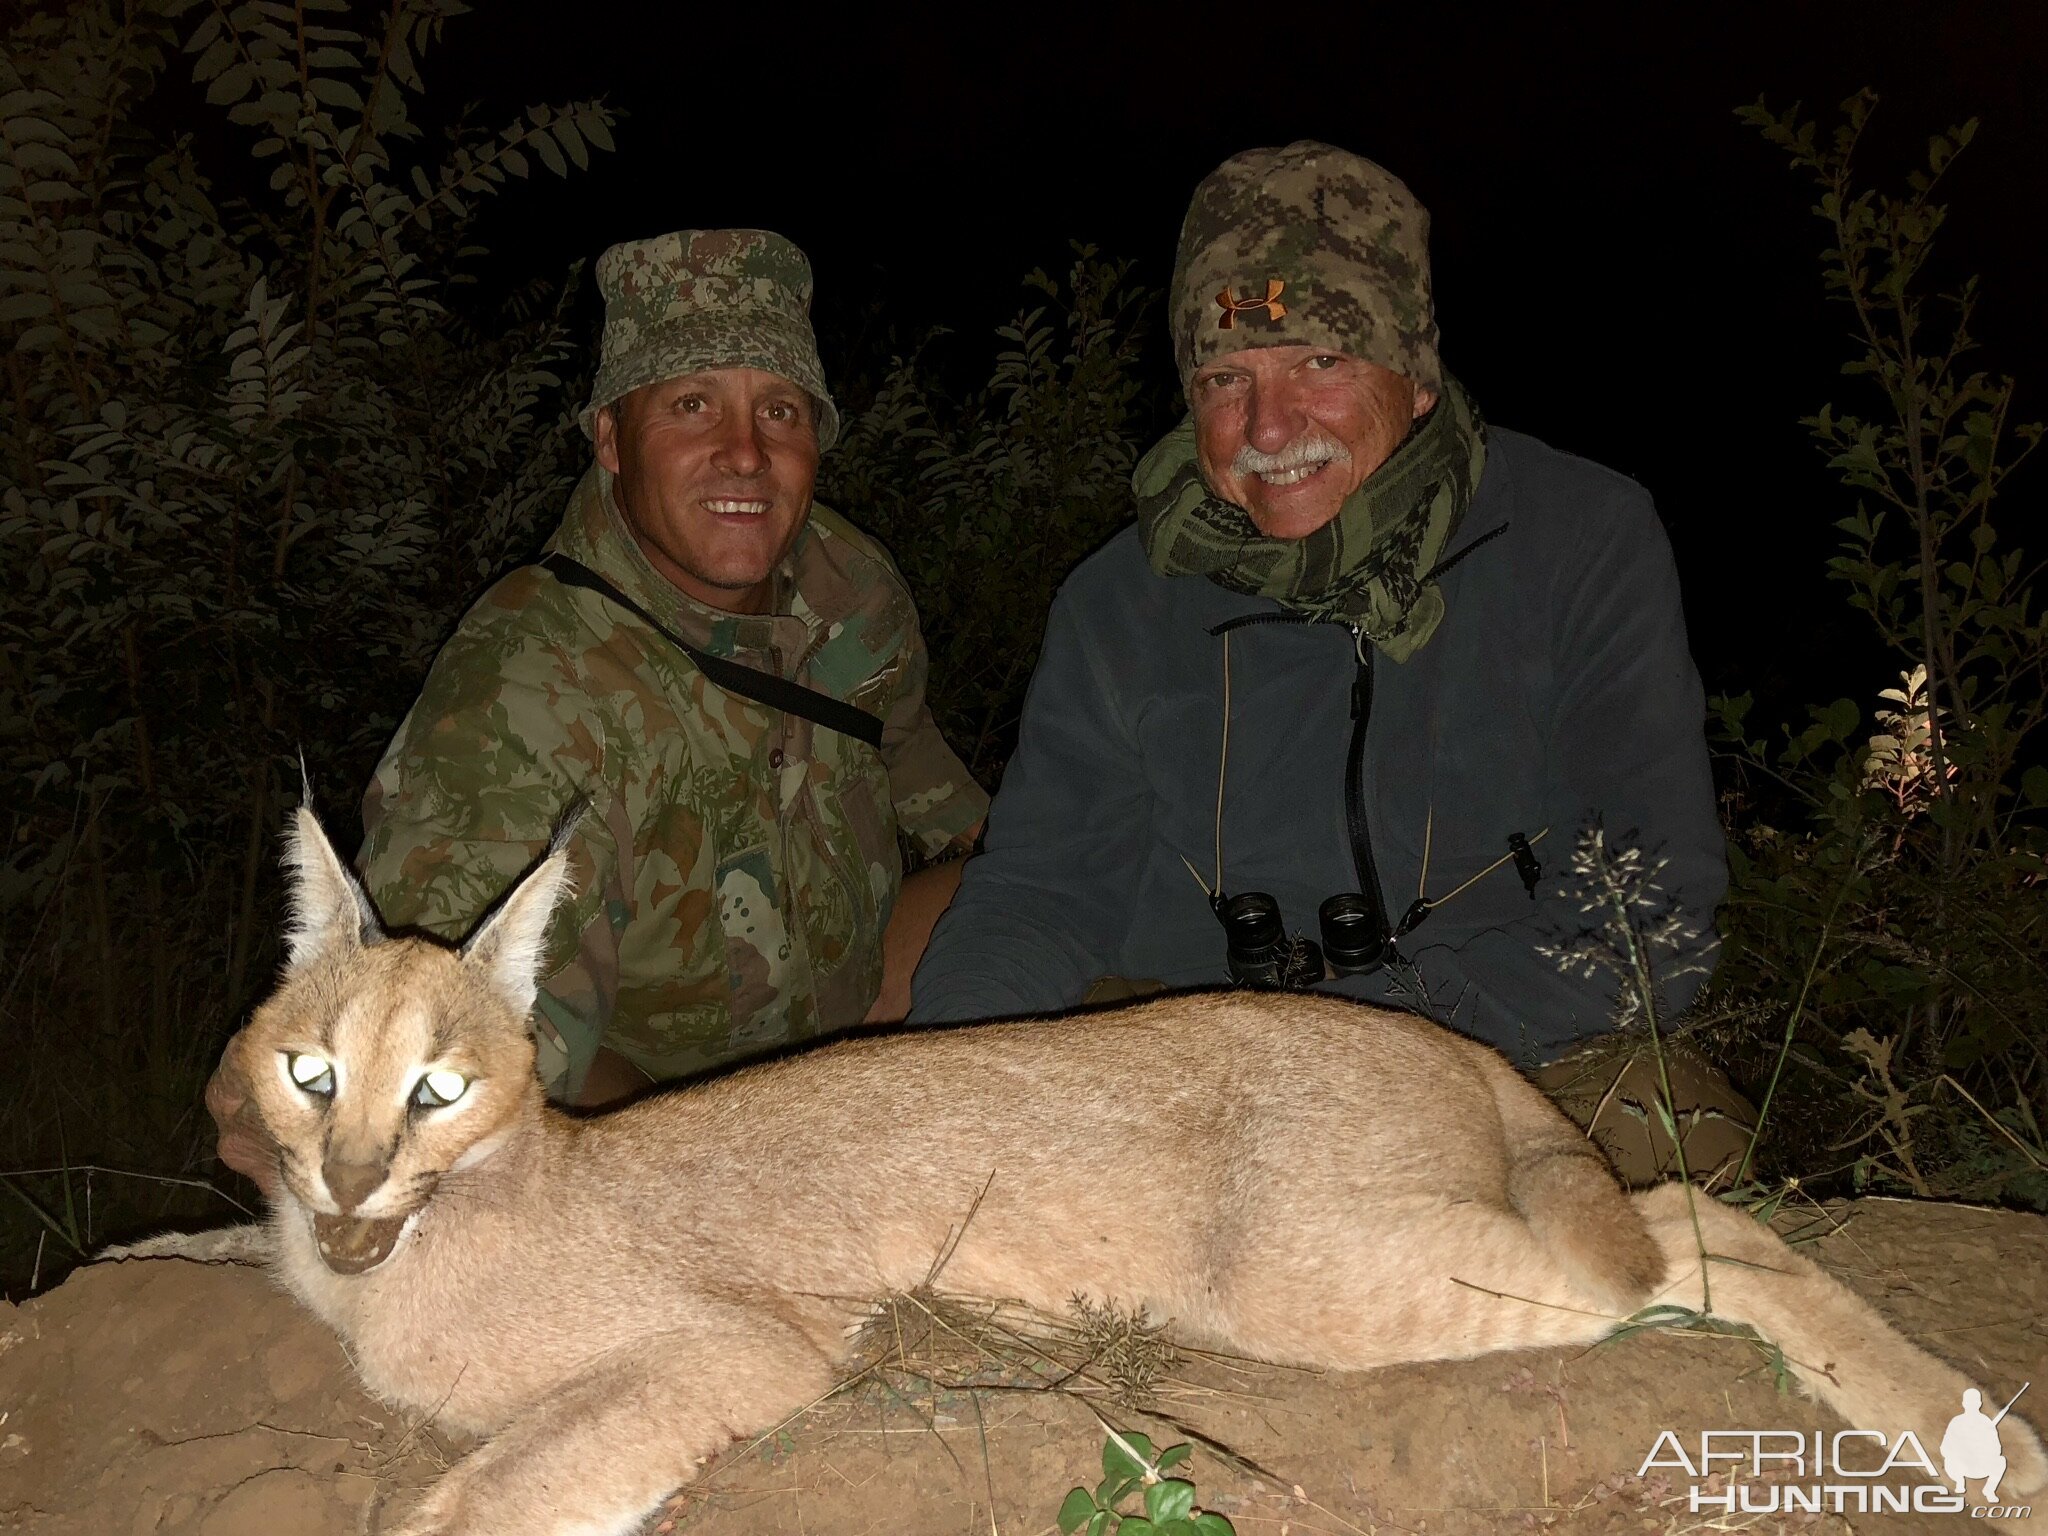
714, 473
1288, 433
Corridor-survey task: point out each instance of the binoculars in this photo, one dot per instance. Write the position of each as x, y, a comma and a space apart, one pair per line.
1357, 938
1260, 952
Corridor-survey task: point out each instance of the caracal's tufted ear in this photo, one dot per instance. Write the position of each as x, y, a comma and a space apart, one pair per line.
507, 947
329, 907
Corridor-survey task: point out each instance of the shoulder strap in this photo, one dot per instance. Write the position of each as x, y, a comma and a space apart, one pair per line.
748, 682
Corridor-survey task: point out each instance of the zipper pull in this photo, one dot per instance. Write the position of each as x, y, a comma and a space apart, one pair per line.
1361, 681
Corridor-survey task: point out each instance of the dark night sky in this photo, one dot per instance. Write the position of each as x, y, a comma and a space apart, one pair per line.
1622, 269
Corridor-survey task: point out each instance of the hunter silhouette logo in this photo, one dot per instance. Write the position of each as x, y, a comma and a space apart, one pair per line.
1971, 1447
1233, 307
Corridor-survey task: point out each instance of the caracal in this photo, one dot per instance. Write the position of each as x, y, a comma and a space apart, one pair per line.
613, 1299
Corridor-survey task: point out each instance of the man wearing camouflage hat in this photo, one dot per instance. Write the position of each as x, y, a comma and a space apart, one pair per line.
1354, 683
729, 677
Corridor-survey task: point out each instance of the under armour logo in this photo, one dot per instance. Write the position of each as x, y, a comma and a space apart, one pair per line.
1233, 307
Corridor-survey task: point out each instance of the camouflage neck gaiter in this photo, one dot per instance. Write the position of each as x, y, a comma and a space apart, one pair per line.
1365, 566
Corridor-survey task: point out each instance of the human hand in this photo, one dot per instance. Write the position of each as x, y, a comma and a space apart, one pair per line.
245, 1144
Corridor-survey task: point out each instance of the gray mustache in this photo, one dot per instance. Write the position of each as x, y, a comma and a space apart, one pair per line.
1309, 448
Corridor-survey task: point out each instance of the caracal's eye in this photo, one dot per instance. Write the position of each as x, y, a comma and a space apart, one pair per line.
437, 1090
315, 1074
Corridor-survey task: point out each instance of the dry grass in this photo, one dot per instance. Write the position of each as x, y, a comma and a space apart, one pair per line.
931, 1350
939, 1358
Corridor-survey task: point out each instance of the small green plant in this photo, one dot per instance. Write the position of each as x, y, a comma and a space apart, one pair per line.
1129, 1464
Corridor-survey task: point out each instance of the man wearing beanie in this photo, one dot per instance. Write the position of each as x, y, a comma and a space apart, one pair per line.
1335, 711
728, 679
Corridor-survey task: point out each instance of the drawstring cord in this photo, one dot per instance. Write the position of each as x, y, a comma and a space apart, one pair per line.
1506, 858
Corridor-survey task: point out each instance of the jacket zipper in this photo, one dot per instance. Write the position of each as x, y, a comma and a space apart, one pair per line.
1363, 863
1354, 782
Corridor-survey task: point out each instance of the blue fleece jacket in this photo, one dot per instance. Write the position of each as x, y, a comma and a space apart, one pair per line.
1558, 687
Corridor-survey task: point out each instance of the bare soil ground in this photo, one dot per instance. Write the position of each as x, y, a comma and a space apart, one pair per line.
165, 1397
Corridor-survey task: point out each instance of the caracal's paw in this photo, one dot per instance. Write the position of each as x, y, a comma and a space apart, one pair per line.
222, 1245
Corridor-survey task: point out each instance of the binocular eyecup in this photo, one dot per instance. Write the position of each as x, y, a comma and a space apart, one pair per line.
1354, 933
1258, 949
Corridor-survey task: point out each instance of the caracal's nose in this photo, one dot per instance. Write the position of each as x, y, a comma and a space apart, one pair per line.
352, 1183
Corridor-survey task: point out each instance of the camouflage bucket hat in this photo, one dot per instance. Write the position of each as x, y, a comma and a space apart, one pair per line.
1305, 246
707, 298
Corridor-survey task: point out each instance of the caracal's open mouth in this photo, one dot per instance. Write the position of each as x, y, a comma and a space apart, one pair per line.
349, 1245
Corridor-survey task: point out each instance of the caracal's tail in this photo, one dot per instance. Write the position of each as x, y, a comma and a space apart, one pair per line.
1836, 1343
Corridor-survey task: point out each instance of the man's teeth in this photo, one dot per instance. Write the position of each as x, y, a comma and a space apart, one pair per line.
1292, 476
738, 508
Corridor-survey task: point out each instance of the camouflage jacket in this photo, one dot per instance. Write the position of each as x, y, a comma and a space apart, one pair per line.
737, 866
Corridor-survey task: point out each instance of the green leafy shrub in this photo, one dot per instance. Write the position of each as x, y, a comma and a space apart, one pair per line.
258, 459
988, 500
1885, 969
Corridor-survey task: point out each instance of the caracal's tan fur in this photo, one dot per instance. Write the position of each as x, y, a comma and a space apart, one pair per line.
614, 1299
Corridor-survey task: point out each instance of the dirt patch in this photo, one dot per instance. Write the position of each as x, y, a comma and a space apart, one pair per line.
165, 1397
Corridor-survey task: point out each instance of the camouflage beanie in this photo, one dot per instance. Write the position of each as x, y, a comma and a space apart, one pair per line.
1305, 246
702, 299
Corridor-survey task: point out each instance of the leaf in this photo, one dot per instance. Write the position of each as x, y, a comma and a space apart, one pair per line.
551, 157
1111, 1491
572, 141
39, 159
330, 92
24, 306
1075, 1509
1208, 1523
231, 85
1119, 1462
403, 69
1169, 1499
